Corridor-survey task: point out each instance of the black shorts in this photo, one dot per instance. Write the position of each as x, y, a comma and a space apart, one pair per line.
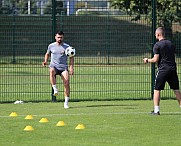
169, 75
58, 72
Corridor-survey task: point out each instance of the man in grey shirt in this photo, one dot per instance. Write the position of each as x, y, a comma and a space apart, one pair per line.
58, 65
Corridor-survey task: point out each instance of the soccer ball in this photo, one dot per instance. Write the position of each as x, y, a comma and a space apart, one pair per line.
70, 51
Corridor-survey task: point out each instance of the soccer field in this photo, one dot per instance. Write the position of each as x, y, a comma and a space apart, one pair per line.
107, 123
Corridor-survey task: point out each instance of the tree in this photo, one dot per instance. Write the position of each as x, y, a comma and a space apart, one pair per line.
168, 11
58, 6
18, 7
48, 8
22, 6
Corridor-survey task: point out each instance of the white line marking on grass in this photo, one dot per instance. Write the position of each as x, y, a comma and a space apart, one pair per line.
85, 114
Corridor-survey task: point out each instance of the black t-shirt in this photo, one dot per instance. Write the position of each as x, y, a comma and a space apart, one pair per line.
166, 51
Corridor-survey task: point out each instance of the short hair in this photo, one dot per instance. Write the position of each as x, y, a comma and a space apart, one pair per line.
59, 33
161, 31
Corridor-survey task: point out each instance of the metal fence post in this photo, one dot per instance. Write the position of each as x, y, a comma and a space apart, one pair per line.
154, 19
108, 37
53, 36
13, 38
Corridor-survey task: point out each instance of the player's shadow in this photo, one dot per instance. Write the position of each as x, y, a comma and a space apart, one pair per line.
170, 113
132, 106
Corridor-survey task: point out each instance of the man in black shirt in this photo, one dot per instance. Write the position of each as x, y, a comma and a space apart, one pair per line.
164, 56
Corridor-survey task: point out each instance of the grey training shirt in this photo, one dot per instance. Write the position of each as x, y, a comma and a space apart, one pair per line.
58, 57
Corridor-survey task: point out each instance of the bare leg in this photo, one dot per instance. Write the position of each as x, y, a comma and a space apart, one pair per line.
53, 81
178, 96
156, 100
52, 76
65, 78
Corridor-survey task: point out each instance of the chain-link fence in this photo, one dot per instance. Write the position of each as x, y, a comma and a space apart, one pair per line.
110, 46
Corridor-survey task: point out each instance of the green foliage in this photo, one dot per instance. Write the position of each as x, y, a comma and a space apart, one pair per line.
18, 7
168, 11
58, 8
48, 8
4, 10
132, 6
23, 6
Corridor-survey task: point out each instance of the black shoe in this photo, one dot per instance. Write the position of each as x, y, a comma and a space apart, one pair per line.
153, 113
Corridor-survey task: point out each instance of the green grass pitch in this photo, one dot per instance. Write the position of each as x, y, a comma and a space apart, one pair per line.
107, 123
